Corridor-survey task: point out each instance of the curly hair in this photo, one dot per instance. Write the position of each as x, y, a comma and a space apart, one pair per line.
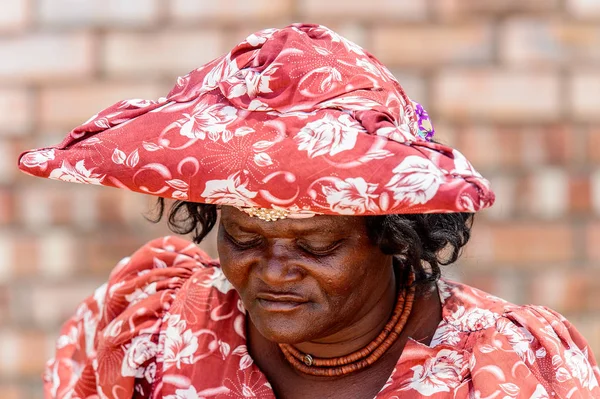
422, 241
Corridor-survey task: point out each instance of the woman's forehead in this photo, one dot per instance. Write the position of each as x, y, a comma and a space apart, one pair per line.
232, 217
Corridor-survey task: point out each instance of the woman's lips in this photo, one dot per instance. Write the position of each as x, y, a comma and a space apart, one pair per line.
279, 302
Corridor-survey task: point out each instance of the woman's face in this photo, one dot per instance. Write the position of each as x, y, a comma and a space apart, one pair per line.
302, 279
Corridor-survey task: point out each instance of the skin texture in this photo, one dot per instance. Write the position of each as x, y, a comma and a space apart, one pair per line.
319, 284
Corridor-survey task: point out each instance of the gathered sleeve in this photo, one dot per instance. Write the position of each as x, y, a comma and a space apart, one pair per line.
534, 352
108, 349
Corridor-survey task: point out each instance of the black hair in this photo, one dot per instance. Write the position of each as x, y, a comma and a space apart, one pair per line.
422, 241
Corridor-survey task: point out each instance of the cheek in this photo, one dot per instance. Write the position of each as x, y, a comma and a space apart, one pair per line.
359, 274
233, 266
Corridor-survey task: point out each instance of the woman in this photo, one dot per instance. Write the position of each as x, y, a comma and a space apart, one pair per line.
336, 211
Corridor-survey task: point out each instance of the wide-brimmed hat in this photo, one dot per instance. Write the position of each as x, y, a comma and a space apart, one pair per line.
295, 121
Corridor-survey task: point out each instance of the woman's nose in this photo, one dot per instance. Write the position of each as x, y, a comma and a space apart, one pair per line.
279, 266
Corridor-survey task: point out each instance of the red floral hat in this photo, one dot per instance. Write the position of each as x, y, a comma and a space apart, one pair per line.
293, 121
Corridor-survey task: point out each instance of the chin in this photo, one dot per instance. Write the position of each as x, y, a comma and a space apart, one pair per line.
285, 329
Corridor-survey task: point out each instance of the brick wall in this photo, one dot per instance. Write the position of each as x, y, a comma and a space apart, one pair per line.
515, 84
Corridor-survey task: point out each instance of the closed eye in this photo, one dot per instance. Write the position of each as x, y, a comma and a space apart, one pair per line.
319, 250
242, 244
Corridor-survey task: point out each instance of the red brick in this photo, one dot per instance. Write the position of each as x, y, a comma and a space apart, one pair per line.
534, 42
593, 144
480, 144
504, 96
505, 188
393, 10
102, 252
8, 255
67, 106
593, 242
11, 391
15, 111
231, 10
433, 45
520, 245
44, 57
585, 95
159, 52
7, 207
580, 195
595, 190
98, 12
549, 195
583, 9
23, 353
109, 206
57, 253
7, 164
55, 303
461, 9
14, 17
562, 144
25, 250
415, 86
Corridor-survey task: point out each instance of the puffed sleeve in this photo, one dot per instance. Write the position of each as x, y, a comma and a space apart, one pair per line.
108, 348
534, 352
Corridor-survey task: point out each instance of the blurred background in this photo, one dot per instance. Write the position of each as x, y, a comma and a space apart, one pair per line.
514, 84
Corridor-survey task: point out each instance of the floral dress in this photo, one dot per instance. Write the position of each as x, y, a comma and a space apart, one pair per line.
169, 325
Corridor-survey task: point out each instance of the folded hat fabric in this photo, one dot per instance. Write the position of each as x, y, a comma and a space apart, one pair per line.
298, 119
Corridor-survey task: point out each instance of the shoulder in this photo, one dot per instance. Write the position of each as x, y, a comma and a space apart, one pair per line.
523, 343
159, 275
166, 285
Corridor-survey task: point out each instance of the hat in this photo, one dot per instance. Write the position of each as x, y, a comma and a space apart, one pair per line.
293, 121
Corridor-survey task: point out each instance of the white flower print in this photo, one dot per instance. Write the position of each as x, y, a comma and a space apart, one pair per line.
70, 338
180, 344
136, 103
446, 334
245, 359
224, 347
328, 135
140, 294
416, 180
368, 66
519, 338
351, 196
207, 119
473, 319
137, 353
462, 166
229, 192
337, 38
150, 373
439, 374
77, 174
399, 132
540, 393
225, 68
38, 159
263, 159
120, 158
251, 82
57, 373
578, 365
218, 281
90, 325
189, 393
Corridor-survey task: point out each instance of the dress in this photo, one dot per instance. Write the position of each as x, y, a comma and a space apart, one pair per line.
169, 325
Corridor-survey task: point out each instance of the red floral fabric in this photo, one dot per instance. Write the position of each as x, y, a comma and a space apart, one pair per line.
297, 118
169, 325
